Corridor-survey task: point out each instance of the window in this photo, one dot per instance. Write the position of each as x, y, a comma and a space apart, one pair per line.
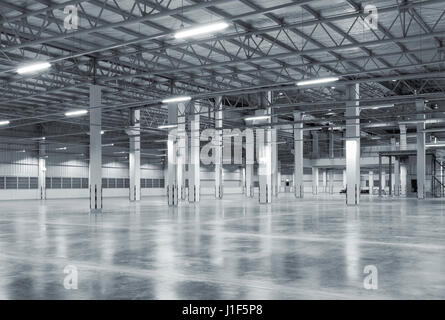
162, 183
33, 183
111, 183
127, 183
104, 183
155, 183
56, 183
66, 183
2, 182
143, 183
48, 183
76, 183
119, 183
149, 183
85, 183
11, 183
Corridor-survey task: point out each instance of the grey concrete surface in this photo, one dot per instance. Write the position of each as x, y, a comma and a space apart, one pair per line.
311, 248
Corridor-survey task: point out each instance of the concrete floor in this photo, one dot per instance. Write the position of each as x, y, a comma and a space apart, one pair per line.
315, 248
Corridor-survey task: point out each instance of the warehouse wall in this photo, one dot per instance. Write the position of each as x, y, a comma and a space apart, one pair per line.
66, 172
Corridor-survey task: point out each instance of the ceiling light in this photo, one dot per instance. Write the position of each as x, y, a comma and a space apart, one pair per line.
435, 145
63, 148
167, 126
33, 67
209, 28
257, 118
4, 123
177, 99
102, 132
377, 107
317, 81
76, 113
108, 145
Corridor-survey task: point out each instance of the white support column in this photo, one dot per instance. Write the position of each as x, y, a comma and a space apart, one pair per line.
384, 180
172, 142
182, 151
42, 171
371, 182
218, 149
344, 179
403, 167
195, 163
95, 175
395, 176
279, 178
324, 176
315, 179
352, 145
421, 156
264, 137
331, 181
298, 155
274, 147
135, 155
250, 160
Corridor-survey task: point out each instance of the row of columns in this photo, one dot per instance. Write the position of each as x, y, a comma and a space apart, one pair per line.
268, 155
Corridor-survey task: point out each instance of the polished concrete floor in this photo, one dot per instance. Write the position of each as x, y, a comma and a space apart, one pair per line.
315, 248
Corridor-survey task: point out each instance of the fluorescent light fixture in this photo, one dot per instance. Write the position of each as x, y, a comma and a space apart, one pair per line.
33, 67
177, 99
257, 118
4, 123
108, 145
63, 148
312, 128
435, 145
205, 29
102, 132
317, 81
377, 107
76, 113
168, 126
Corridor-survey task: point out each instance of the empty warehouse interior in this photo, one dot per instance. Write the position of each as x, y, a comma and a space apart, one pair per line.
214, 150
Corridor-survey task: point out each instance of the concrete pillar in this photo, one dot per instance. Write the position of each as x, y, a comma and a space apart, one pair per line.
264, 137
344, 179
403, 179
325, 180
195, 163
182, 151
298, 155
172, 146
135, 155
250, 158
403, 167
218, 149
383, 180
352, 145
421, 156
274, 150
331, 181
42, 171
95, 172
442, 178
279, 178
315, 179
371, 182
